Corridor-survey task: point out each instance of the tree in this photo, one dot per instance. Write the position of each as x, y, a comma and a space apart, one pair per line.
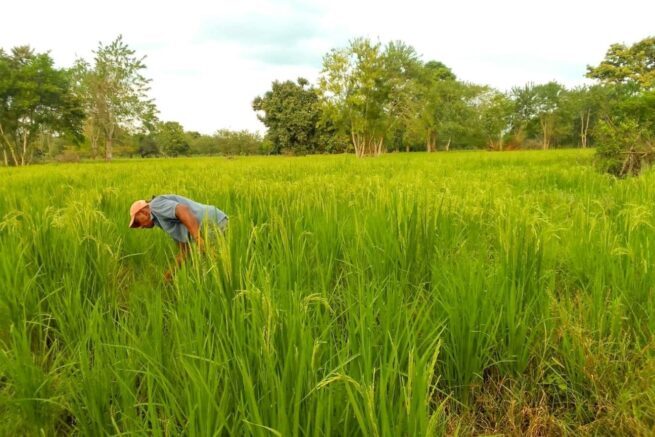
547, 102
437, 70
430, 87
35, 101
238, 142
354, 90
625, 133
494, 110
147, 145
446, 106
628, 65
625, 147
536, 110
201, 144
585, 105
115, 93
402, 68
292, 113
171, 139
370, 92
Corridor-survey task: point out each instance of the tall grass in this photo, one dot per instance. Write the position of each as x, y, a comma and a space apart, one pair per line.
406, 295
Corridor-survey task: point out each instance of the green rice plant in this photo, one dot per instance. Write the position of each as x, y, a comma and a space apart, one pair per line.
411, 294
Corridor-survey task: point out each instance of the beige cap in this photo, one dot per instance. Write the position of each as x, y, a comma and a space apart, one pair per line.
136, 207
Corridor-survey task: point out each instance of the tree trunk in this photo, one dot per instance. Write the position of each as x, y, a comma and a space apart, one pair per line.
448, 145
582, 132
94, 145
427, 141
23, 155
13, 154
7, 146
109, 144
584, 128
378, 148
359, 143
431, 141
48, 144
545, 128
108, 151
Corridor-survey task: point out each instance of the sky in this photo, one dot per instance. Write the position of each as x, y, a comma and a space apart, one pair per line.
209, 60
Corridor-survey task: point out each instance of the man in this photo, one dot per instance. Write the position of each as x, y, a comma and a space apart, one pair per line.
181, 218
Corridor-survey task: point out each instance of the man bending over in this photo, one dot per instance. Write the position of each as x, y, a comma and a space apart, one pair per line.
180, 217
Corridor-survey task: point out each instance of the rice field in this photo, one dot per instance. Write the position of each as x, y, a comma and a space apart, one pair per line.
407, 295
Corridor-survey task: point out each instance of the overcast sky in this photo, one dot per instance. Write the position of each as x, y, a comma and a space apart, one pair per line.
208, 60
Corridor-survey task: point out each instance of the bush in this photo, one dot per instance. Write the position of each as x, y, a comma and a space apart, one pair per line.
624, 148
67, 156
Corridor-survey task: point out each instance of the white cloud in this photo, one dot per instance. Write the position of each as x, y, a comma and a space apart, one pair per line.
208, 60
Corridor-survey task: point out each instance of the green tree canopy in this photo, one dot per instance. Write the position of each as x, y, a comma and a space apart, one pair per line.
35, 99
171, 139
446, 108
623, 64
243, 142
292, 113
115, 92
494, 111
370, 91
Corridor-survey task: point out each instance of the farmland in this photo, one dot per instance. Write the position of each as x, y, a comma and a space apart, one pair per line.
409, 294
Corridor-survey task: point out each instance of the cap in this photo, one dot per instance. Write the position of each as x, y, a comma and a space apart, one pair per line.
136, 207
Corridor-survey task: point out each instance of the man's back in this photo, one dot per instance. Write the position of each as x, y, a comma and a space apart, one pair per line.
163, 212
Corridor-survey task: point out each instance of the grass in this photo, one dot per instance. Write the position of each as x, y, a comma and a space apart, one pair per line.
411, 294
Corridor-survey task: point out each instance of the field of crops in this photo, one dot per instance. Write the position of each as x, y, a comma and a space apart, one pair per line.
410, 294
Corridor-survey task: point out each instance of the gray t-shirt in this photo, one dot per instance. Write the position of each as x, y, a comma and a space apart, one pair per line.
162, 209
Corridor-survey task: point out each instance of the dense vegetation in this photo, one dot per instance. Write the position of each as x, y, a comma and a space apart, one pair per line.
414, 294
368, 99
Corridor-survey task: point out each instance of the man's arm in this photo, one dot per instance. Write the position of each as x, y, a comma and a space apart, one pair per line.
184, 215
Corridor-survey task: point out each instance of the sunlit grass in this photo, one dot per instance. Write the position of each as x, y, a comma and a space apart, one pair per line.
410, 294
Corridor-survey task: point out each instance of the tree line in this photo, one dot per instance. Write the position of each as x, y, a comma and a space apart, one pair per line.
94, 109
369, 98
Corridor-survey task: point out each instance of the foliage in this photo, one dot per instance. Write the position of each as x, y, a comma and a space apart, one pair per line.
539, 111
355, 93
624, 147
147, 145
634, 65
626, 134
292, 114
240, 142
495, 112
35, 101
115, 93
371, 98
583, 106
171, 140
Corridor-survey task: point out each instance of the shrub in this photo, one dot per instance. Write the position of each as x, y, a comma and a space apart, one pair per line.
624, 148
